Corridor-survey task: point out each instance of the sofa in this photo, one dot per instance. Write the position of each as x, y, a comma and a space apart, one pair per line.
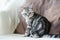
14, 24
47, 8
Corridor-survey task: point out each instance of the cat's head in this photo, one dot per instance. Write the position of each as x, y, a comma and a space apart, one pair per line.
27, 12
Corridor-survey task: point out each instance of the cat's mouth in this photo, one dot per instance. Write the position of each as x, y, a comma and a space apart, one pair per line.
30, 15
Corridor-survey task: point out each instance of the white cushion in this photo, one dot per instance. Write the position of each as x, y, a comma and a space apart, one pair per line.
9, 15
20, 37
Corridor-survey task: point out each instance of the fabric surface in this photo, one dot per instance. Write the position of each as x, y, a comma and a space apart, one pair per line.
20, 37
8, 16
21, 27
48, 8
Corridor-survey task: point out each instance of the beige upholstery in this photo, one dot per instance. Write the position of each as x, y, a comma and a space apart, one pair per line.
48, 8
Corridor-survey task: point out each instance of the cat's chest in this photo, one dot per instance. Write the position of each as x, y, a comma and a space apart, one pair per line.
28, 21
35, 21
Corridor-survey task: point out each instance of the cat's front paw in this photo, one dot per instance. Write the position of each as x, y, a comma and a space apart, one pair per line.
26, 35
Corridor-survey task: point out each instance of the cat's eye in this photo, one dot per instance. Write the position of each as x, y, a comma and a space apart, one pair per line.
25, 14
29, 13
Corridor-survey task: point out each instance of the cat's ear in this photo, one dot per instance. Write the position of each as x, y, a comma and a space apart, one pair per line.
31, 6
24, 8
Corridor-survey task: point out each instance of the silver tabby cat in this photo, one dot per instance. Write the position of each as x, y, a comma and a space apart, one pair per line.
37, 25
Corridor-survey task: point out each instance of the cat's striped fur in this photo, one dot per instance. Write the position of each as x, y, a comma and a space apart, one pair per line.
51, 36
37, 25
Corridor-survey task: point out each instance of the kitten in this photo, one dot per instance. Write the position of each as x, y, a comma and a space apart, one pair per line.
37, 25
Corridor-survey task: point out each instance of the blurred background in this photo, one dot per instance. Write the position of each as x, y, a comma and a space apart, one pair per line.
9, 15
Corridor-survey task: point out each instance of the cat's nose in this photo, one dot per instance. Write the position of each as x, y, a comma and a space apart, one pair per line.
27, 14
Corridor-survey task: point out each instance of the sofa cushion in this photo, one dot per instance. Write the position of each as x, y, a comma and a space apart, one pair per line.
48, 8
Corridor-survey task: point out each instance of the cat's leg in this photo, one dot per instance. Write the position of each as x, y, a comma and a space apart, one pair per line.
35, 35
27, 32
